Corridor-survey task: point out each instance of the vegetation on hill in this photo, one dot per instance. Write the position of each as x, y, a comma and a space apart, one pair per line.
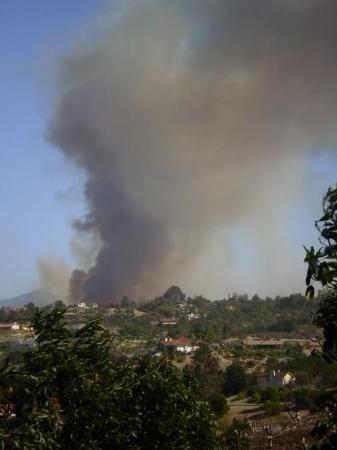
74, 390
69, 393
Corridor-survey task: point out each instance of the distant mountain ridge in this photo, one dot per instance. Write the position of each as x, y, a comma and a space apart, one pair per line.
39, 297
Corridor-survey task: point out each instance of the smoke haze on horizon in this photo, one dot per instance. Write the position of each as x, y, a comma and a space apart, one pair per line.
192, 120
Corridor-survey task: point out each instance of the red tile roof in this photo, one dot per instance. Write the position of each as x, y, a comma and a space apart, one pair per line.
179, 342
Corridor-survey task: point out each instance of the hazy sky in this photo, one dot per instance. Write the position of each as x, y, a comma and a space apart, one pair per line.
41, 191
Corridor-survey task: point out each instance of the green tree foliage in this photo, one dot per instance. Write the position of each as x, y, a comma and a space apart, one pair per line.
209, 378
206, 370
236, 379
175, 293
323, 428
69, 393
322, 268
314, 400
218, 404
237, 436
272, 408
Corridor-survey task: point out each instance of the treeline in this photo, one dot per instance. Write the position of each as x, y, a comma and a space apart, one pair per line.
200, 318
24, 314
213, 321
70, 392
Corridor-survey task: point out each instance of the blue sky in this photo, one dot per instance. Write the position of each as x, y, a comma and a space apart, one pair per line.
35, 222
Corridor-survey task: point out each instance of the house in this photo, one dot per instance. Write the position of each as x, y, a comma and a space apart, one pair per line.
230, 308
192, 315
275, 378
168, 322
15, 327
82, 305
181, 344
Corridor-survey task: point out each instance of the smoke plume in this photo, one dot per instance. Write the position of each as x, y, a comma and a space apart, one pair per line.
189, 119
54, 276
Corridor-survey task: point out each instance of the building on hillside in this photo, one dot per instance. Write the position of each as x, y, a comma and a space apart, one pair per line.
181, 305
181, 344
230, 308
168, 322
192, 315
256, 343
6, 326
82, 305
275, 378
15, 327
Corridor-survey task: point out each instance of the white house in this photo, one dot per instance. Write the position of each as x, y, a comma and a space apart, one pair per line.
275, 378
181, 344
168, 322
192, 315
82, 305
15, 327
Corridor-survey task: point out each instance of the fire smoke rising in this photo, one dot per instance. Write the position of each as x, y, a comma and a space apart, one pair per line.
188, 117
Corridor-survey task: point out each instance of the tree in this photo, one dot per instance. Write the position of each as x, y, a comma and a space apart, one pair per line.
175, 293
30, 307
218, 404
236, 379
69, 392
237, 436
59, 304
322, 268
272, 408
206, 370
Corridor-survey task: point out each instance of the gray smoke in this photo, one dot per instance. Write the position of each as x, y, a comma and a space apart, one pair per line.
53, 275
189, 117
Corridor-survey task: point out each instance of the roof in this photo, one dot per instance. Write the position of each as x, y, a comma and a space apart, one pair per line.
273, 373
179, 342
249, 341
5, 325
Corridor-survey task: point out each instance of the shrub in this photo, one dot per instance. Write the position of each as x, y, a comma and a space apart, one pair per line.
218, 404
270, 393
236, 379
314, 400
272, 408
69, 393
237, 437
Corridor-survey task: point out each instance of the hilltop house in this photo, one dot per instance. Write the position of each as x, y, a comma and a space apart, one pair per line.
181, 344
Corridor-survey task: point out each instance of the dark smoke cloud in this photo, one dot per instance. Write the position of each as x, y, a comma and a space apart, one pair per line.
189, 117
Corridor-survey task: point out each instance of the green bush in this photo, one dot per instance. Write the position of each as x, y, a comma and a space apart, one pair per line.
218, 404
270, 393
272, 408
237, 437
314, 400
236, 379
70, 393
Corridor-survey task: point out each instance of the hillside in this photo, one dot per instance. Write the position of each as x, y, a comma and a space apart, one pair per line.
39, 297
